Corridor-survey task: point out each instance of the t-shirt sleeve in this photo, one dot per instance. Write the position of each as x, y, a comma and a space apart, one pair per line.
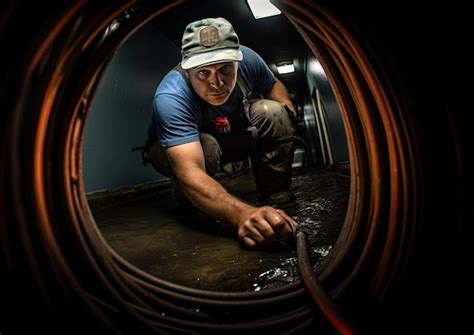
174, 120
261, 78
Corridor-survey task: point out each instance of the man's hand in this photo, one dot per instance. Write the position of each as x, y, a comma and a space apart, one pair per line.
260, 226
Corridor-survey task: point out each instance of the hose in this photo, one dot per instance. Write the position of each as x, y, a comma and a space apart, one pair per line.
330, 310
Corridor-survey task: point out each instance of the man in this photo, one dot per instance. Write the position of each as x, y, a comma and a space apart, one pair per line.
202, 119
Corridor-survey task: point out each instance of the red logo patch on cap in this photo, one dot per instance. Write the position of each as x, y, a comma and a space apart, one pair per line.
209, 36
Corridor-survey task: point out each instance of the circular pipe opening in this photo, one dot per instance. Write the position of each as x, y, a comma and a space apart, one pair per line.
64, 257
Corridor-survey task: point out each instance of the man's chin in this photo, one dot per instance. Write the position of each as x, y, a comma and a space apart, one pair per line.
217, 101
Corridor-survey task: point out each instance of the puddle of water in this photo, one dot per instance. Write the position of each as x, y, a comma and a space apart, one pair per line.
180, 246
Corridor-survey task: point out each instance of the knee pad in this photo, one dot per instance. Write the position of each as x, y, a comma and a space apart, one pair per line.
268, 114
266, 106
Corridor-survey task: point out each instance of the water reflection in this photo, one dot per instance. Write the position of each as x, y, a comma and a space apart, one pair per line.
177, 244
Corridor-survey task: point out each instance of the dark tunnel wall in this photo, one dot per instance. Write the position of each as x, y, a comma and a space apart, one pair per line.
121, 111
335, 140
410, 44
403, 261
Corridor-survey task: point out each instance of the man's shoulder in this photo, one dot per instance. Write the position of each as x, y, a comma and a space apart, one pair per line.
173, 83
248, 53
174, 87
174, 95
255, 71
251, 58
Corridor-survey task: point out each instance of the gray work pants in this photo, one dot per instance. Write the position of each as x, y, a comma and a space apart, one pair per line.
271, 154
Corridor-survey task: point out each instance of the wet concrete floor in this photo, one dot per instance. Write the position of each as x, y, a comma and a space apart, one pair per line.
176, 243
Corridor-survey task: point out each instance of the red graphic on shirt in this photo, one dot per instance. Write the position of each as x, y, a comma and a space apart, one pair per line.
222, 124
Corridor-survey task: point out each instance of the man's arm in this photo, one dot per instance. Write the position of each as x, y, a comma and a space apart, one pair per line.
279, 93
255, 226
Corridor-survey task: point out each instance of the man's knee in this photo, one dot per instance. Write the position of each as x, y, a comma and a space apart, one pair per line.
210, 148
159, 160
265, 109
271, 118
212, 153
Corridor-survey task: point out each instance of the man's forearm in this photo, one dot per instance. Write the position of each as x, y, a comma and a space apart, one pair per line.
279, 93
210, 197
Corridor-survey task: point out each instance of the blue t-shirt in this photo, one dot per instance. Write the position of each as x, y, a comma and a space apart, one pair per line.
177, 115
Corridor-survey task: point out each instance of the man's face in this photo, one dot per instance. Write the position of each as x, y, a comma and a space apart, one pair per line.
214, 83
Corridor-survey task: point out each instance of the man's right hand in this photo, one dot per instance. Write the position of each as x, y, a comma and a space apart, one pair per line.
261, 226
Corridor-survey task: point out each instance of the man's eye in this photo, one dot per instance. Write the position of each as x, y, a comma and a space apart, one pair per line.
202, 73
226, 69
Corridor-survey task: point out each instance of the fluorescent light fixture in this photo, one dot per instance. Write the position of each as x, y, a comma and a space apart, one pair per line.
262, 8
285, 67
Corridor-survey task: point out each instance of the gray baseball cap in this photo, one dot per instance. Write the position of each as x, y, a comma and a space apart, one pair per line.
209, 41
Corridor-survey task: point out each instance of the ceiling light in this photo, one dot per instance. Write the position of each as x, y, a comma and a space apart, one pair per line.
262, 8
285, 67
